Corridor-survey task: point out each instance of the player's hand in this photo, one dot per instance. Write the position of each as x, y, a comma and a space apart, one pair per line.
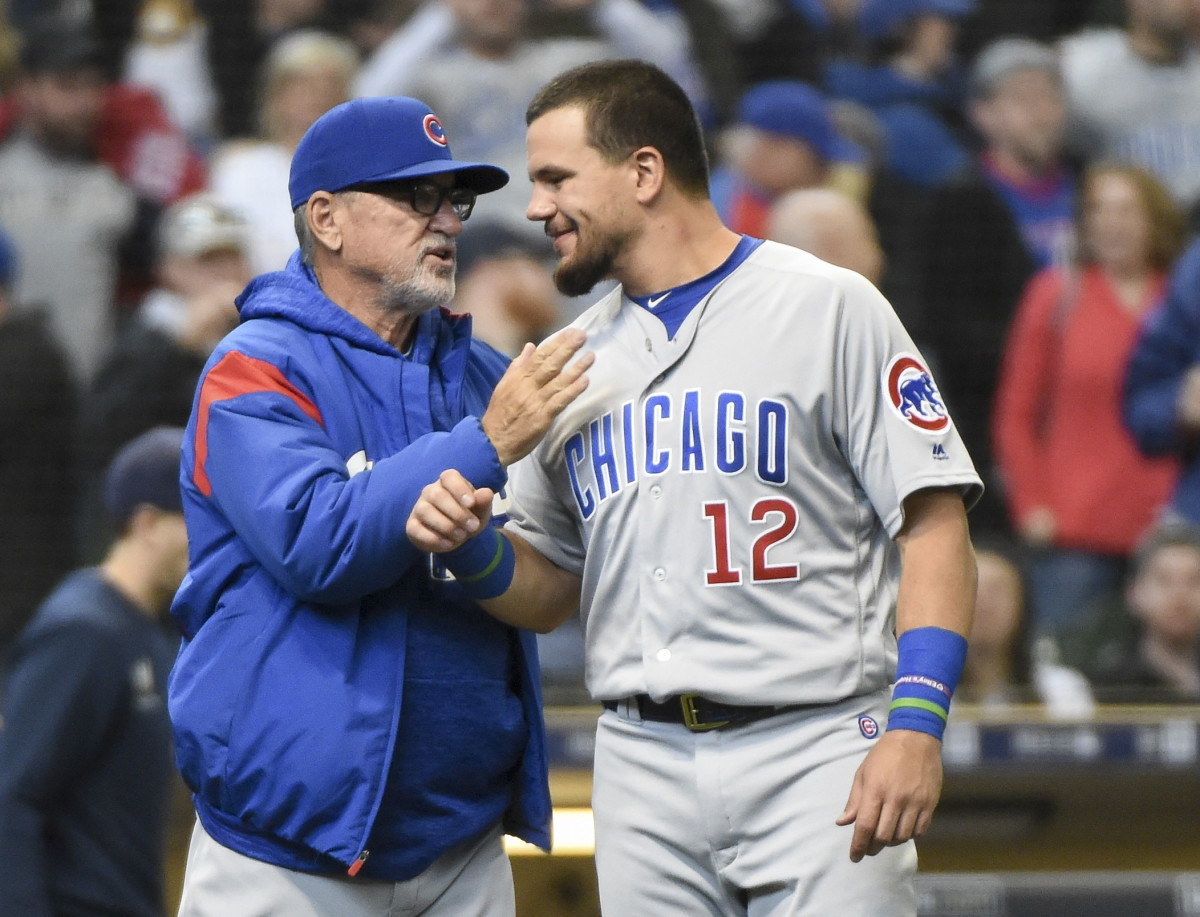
448, 512
1039, 526
534, 390
895, 792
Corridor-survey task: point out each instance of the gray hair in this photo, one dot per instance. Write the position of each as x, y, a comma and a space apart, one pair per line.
308, 245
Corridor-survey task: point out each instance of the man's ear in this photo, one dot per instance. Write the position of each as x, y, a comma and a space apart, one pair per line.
320, 211
651, 174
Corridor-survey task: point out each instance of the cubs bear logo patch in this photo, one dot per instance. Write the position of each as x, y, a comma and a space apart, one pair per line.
910, 389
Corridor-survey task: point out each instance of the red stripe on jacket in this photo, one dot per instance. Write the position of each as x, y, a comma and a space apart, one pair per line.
237, 374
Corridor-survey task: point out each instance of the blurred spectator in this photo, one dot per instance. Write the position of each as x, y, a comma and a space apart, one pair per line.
1004, 666
987, 234
306, 74
85, 166
149, 377
473, 62
830, 225
790, 39
1134, 93
913, 85
241, 36
85, 751
113, 21
1077, 488
1160, 660
784, 139
37, 501
507, 290
169, 54
1040, 20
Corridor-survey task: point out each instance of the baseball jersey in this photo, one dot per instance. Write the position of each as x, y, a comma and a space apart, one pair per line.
729, 496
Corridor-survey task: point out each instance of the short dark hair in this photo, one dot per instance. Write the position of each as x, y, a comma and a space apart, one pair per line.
629, 104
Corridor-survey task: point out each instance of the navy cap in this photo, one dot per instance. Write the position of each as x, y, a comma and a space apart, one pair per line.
379, 139
880, 18
145, 471
795, 109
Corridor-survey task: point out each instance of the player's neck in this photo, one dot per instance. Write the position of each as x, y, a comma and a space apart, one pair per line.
684, 242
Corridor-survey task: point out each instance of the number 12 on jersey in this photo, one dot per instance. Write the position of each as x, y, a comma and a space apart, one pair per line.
767, 510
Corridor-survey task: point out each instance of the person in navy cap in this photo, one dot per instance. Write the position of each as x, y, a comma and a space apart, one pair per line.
785, 138
355, 730
85, 752
914, 86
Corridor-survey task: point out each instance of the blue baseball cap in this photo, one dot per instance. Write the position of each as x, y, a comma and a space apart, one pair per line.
880, 18
795, 109
379, 139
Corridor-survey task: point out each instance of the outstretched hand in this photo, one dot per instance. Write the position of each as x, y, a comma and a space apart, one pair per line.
534, 390
895, 792
448, 512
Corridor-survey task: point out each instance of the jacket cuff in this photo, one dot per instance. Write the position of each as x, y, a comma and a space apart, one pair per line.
475, 456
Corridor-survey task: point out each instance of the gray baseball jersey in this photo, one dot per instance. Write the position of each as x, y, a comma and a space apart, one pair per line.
729, 497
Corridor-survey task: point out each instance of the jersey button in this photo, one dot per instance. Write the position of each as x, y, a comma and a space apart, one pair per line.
656, 491
649, 346
660, 574
663, 655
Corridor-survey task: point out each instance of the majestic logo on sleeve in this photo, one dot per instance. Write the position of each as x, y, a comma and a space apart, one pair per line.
911, 390
434, 130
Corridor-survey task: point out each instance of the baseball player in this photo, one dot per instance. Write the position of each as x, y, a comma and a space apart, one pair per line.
759, 488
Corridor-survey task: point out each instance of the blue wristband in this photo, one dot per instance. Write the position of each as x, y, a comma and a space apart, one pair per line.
483, 565
931, 662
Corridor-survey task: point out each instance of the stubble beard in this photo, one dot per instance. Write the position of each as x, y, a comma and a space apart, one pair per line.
588, 268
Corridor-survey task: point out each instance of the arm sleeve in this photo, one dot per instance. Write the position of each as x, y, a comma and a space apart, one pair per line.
1023, 390
537, 515
62, 698
325, 535
1166, 349
891, 457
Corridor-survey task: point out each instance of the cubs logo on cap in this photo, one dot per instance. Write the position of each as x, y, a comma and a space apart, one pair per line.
434, 130
914, 395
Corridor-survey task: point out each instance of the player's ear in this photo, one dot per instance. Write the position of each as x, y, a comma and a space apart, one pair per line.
322, 221
651, 173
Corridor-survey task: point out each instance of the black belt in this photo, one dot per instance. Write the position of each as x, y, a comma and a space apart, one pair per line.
695, 712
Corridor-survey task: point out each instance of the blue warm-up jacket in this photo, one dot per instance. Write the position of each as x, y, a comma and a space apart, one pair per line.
310, 440
1168, 346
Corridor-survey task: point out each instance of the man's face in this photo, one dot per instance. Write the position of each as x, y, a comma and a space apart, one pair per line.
776, 164
491, 27
581, 199
62, 110
1025, 117
1169, 19
1166, 594
407, 256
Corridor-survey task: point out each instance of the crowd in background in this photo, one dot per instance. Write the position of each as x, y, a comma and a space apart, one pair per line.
1019, 177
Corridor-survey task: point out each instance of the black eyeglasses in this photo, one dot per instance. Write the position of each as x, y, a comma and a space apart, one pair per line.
425, 197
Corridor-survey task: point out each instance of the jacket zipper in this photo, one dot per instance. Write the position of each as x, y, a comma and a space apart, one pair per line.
358, 864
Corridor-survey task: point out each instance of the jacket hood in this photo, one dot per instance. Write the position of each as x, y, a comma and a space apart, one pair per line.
294, 294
